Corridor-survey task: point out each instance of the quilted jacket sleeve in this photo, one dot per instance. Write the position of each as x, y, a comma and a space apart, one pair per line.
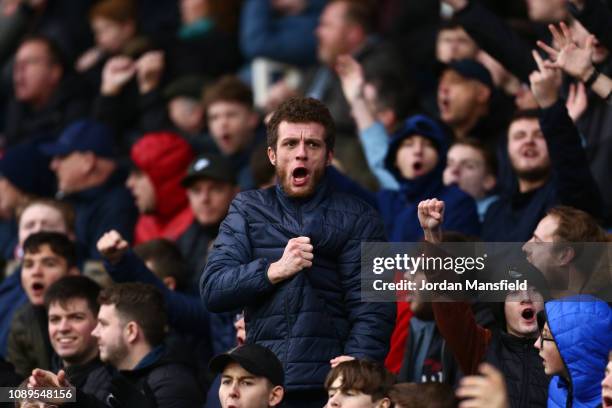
232, 279
371, 323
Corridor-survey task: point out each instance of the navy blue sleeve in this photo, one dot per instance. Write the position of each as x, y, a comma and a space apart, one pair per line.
185, 312
573, 179
461, 215
232, 279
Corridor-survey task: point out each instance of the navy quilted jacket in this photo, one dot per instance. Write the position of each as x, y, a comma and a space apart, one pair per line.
316, 315
582, 329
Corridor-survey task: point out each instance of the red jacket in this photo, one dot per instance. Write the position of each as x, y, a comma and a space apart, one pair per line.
164, 158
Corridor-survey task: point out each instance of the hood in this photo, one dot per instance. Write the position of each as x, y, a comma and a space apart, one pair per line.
164, 157
429, 128
582, 328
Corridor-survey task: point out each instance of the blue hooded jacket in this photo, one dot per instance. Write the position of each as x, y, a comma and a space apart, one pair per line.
582, 329
399, 208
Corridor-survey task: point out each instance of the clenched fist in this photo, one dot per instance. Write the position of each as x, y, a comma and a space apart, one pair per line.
112, 246
297, 256
431, 217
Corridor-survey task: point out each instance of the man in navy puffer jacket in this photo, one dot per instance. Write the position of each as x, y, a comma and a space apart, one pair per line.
290, 256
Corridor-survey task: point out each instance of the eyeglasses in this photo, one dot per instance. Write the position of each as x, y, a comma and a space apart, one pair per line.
543, 339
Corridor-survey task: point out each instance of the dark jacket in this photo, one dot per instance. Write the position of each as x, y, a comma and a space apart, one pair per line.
194, 244
12, 297
102, 208
67, 104
515, 357
317, 314
514, 218
582, 329
157, 382
29, 346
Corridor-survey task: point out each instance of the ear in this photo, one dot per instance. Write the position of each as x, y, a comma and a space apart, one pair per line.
89, 161
489, 182
383, 403
484, 93
170, 282
276, 396
330, 157
131, 332
272, 156
253, 120
567, 255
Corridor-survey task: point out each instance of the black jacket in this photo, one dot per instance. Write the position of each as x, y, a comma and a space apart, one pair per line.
163, 383
518, 360
194, 244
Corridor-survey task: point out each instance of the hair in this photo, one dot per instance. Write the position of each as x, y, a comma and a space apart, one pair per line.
361, 12
426, 395
302, 110
489, 157
575, 225
59, 243
56, 55
525, 114
450, 24
610, 356
140, 303
365, 376
63, 208
120, 11
228, 89
74, 287
583, 234
166, 258
262, 170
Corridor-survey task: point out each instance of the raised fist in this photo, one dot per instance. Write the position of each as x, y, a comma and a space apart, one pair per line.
112, 246
298, 255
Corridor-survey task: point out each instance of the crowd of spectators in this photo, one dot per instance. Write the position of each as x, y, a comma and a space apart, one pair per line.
185, 188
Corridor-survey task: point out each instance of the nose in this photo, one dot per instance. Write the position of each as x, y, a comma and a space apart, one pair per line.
536, 344
301, 152
64, 325
234, 391
96, 331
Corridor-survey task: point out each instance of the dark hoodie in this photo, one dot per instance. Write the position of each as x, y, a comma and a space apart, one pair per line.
399, 208
164, 158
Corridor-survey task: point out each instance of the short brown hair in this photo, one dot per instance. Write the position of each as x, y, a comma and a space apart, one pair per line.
141, 303
365, 376
488, 156
426, 395
120, 11
63, 208
575, 225
228, 89
302, 110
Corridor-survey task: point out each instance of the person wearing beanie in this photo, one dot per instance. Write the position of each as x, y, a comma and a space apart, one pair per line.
161, 160
90, 179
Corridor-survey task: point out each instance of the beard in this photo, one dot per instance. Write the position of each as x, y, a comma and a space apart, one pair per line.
534, 174
115, 353
299, 192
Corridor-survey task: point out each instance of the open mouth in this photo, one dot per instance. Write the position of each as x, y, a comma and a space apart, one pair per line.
37, 287
417, 166
300, 176
529, 153
528, 314
607, 401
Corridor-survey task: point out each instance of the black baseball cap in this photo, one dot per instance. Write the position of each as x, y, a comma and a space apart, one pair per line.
212, 166
255, 359
472, 69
